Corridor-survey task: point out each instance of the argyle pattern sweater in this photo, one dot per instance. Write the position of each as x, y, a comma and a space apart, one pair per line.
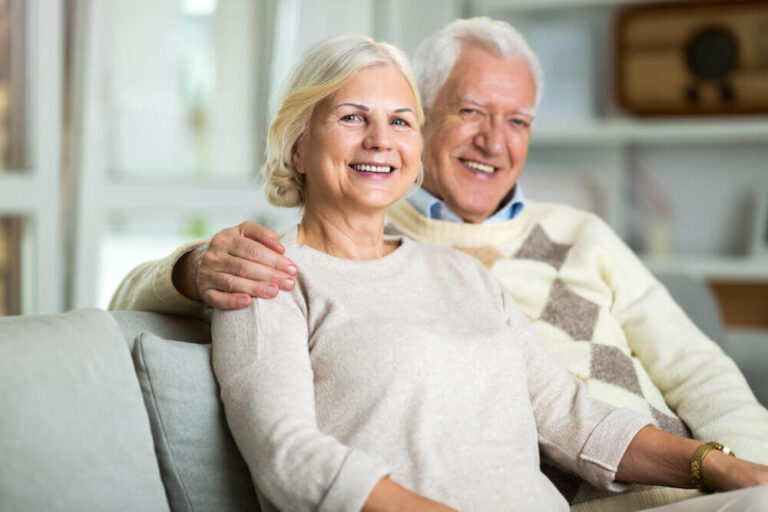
604, 317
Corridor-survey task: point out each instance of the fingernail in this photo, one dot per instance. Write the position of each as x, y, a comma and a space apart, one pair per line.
270, 290
287, 284
243, 301
291, 269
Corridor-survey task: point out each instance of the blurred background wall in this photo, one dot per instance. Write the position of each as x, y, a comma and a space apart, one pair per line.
130, 126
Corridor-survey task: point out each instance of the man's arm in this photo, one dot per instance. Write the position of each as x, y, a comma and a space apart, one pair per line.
699, 382
238, 263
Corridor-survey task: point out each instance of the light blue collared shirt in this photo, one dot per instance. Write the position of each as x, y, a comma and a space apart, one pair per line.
433, 208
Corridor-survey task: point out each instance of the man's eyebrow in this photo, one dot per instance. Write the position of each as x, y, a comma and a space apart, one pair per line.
356, 105
468, 98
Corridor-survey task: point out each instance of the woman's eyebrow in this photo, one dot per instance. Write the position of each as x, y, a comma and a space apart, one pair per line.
404, 109
356, 105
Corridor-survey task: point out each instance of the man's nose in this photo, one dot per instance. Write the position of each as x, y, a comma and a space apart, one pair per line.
377, 136
491, 137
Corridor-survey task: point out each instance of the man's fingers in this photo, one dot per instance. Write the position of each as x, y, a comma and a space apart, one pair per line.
257, 272
262, 234
221, 300
228, 283
259, 253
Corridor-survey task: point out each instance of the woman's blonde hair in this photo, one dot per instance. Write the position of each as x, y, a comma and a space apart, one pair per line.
322, 71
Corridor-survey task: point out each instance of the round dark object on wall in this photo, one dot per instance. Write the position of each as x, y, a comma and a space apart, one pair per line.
712, 53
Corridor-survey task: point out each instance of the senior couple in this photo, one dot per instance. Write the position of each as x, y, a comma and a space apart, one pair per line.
392, 374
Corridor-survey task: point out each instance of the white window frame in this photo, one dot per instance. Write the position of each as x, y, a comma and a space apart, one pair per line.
96, 196
34, 193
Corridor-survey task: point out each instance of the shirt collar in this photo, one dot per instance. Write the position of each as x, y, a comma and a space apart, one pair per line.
433, 208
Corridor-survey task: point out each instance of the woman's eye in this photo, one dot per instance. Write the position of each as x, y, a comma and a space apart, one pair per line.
351, 117
400, 122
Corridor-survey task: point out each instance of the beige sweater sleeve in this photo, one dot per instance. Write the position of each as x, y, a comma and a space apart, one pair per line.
702, 384
262, 363
149, 287
583, 434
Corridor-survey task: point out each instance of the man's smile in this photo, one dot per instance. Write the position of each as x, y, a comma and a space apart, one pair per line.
478, 166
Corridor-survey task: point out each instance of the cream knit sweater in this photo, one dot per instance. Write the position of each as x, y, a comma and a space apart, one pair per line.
417, 365
562, 266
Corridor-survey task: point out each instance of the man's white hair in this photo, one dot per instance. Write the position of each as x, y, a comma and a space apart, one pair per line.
437, 54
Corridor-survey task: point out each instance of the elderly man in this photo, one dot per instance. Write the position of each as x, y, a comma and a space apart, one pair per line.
593, 304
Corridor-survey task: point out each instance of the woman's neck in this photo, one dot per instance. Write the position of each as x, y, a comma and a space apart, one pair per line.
357, 238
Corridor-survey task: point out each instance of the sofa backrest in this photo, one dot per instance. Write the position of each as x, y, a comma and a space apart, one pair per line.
74, 432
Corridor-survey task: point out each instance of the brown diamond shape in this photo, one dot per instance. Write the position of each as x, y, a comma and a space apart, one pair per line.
671, 424
487, 254
574, 314
538, 246
611, 365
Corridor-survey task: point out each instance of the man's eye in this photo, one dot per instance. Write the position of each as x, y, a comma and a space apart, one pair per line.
468, 111
519, 122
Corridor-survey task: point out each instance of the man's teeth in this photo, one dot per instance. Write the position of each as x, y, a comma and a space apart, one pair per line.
479, 167
371, 168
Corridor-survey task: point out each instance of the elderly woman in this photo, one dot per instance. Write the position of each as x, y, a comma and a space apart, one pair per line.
397, 375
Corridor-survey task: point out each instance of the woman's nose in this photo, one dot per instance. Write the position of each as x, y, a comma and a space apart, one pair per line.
377, 136
491, 137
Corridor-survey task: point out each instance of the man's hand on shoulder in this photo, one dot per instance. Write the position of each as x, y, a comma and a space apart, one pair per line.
238, 263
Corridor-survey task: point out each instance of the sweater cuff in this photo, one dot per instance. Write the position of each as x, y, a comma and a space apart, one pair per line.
164, 290
603, 451
354, 482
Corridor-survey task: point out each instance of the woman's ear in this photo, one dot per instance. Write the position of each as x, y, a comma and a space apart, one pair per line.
297, 153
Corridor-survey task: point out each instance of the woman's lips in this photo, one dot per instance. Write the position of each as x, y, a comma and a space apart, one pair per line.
372, 168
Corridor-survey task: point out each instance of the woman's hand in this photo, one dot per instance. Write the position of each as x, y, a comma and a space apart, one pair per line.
656, 458
238, 263
389, 496
722, 472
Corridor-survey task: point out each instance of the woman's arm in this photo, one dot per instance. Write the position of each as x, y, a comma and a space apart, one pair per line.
388, 496
656, 458
262, 363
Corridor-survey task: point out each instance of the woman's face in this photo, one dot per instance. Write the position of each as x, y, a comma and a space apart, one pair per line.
362, 149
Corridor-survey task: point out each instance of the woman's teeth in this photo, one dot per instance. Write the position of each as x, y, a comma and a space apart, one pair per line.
479, 167
372, 168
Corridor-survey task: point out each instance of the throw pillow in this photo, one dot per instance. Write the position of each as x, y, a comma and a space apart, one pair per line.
200, 464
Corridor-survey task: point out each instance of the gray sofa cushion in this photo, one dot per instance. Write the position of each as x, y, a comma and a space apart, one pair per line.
200, 464
74, 433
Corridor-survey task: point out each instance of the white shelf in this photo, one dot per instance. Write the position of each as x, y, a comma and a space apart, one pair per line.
544, 5
714, 268
673, 131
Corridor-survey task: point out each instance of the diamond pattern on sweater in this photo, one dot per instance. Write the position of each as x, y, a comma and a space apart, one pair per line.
487, 254
669, 424
611, 365
574, 314
538, 246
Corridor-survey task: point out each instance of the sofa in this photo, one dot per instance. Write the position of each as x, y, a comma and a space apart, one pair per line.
119, 411
114, 412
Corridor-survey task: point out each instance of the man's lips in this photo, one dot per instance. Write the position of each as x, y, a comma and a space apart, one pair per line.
479, 166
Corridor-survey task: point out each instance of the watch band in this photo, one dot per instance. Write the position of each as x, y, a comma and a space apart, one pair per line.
698, 457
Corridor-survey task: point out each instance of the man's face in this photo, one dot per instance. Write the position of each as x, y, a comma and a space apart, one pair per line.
477, 132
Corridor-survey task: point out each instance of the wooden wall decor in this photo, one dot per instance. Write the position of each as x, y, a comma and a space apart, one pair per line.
693, 58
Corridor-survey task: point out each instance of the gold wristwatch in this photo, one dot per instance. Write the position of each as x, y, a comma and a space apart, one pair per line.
698, 457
